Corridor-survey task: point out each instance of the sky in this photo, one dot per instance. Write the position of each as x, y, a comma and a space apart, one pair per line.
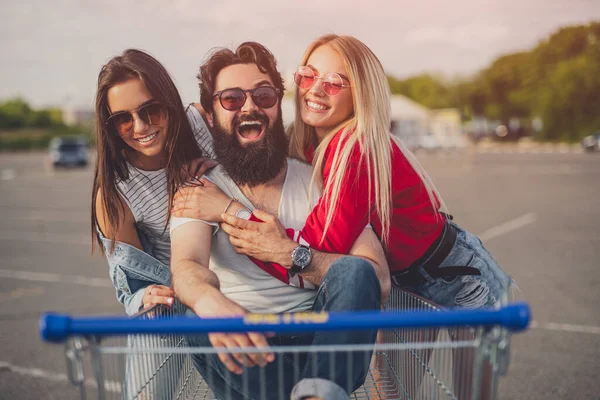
52, 50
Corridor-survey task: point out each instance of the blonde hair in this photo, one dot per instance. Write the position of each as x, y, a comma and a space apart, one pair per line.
369, 126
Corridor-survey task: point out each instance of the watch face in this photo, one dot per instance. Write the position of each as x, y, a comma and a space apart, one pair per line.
243, 214
302, 257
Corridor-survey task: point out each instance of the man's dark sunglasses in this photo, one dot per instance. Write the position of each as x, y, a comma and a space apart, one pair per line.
234, 99
152, 113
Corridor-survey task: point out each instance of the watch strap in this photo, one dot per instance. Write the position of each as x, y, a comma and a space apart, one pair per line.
296, 268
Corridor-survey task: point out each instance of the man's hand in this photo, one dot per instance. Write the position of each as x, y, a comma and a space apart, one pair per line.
203, 200
266, 241
215, 306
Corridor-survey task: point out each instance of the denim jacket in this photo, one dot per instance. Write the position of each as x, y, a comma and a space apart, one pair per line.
132, 270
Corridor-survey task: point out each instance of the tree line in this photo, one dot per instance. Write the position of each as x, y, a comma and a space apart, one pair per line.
23, 128
558, 81
17, 114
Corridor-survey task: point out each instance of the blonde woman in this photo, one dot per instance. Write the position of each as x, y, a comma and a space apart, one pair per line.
342, 127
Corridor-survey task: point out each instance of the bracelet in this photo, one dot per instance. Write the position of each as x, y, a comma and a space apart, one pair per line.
229, 204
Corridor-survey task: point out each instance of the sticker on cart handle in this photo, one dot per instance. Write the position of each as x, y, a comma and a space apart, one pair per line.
287, 318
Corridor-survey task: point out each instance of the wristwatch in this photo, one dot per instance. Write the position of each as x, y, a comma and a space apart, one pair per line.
301, 258
243, 213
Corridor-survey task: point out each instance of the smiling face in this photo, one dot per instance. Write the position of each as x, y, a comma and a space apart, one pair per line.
318, 109
146, 140
250, 123
250, 143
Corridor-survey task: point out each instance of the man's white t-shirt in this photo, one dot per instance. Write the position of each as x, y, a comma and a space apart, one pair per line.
243, 281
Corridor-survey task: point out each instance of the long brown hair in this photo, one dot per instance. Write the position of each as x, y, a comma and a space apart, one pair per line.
180, 148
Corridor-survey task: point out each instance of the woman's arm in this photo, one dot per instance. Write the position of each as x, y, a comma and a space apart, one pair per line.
349, 221
207, 202
125, 232
272, 240
144, 297
203, 200
355, 205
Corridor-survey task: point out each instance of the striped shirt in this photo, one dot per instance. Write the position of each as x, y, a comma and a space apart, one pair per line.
145, 192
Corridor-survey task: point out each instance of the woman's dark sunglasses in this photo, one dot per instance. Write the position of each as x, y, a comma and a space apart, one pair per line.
234, 99
152, 113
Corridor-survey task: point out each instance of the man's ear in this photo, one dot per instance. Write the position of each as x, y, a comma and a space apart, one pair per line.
210, 119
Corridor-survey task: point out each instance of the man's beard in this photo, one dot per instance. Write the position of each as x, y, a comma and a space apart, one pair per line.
255, 163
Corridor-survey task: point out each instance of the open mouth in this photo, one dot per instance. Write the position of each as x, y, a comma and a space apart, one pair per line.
250, 131
316, 106
147, 139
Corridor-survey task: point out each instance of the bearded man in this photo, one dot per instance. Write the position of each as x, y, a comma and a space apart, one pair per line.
241, 94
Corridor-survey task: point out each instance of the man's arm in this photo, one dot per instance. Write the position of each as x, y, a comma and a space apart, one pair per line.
198, 288
190, 254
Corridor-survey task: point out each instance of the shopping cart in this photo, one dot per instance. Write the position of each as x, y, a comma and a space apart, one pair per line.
422, 352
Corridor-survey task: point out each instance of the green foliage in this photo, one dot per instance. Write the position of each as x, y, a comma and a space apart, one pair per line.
16, 114
30, 139
430, 91
23, 128
558, 80
569, 103
25, 142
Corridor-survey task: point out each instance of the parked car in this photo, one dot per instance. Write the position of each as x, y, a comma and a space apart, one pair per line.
592, 142
69, 152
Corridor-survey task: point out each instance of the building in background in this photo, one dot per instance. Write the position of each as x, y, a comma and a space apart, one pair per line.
78, 116
446, 128
410, 122
417, 126
421, 128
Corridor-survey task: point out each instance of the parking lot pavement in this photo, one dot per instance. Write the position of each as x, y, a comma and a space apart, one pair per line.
538, 213
527, 146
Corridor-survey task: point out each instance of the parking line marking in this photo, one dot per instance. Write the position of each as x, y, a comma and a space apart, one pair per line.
19, 293
8, 174
508, 226
55, 278
553, 326
44, 237
110, 386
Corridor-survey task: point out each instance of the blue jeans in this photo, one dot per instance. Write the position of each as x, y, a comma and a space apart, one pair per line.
350, 284
470, 291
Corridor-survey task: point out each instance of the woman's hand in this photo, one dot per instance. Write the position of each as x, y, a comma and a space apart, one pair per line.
203, 200
266, 241
197, 167
158, 294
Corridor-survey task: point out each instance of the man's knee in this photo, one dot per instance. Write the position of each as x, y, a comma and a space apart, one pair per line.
354, 269
355, 275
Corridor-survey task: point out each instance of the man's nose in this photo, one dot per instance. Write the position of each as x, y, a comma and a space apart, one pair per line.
139, 125
249, 105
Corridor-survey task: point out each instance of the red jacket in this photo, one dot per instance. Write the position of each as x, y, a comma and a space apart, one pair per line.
414, 224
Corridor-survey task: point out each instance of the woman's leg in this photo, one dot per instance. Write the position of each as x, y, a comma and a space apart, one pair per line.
485, 290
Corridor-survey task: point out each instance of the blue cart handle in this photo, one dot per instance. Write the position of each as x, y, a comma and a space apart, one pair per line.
58, 327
